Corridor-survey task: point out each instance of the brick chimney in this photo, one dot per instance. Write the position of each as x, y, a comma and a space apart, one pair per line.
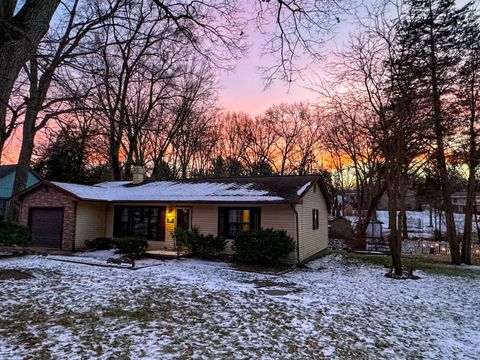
138, 175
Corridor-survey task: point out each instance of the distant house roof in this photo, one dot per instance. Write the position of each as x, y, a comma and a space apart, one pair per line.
6, 170
274, 189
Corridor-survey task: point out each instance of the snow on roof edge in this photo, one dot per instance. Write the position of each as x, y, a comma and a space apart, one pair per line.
303, 188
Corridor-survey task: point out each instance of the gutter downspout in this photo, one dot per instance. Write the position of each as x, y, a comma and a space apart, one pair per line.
297, 232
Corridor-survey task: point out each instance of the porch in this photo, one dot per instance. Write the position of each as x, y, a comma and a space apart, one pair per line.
158, 250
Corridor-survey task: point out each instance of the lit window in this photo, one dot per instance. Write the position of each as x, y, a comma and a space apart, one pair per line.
233, 221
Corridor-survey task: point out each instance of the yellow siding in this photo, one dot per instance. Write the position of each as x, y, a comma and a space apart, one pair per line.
205, 217
109, 221
280, 217
312, 241
90, 222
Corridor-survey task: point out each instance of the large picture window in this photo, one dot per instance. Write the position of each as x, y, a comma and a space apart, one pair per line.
143, 221
232, 221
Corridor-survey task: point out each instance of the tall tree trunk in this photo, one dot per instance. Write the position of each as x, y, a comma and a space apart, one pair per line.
19, 37
114, 148
403, 208
25, 157
394, 240
116, 167
441, 161
472, 167
28, 136
467, 230
362, 225
430, 210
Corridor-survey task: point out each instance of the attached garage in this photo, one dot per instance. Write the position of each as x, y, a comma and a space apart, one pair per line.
46, 225
51, 214
63, 215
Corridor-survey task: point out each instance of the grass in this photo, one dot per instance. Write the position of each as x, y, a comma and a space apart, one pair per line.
431, 264
114, 314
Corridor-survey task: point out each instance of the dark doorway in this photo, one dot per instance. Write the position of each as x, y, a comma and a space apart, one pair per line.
47, 227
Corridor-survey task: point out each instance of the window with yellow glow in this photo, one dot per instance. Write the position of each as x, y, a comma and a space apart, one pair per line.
232, 221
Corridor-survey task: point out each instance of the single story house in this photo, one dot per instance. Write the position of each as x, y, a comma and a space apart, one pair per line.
7, 177
63, 215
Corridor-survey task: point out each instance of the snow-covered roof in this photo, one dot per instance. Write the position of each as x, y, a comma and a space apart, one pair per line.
173, 191
268, 189
109, 184
275, 189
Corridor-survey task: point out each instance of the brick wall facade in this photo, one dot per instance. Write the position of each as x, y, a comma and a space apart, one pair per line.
45, 197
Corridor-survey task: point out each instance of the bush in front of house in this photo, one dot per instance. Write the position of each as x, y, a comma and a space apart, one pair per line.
100, 243
12, 233
204, 246
263, 246
131, 245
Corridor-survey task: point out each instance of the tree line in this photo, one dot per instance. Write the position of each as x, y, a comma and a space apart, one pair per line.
284, 140
404, 106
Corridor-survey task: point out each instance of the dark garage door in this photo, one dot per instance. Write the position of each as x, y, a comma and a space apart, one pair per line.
47, 227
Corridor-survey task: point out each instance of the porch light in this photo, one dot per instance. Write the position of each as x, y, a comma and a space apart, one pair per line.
170, 217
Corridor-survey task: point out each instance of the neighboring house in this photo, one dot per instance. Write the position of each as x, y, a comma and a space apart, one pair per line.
459, 201
64, 215
7, 177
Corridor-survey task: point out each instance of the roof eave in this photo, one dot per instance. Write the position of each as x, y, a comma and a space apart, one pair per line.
18, 195
180, 201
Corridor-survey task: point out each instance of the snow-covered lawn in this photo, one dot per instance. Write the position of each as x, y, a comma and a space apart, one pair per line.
419, 221
183, 309
424, 217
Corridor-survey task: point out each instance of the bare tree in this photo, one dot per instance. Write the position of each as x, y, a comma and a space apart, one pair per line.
20, 34
47, 96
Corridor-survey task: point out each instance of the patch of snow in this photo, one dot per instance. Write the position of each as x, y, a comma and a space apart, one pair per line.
172, 191
303, 188
113, 184
424, 231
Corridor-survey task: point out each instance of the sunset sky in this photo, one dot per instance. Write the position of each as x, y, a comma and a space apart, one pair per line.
243, 88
